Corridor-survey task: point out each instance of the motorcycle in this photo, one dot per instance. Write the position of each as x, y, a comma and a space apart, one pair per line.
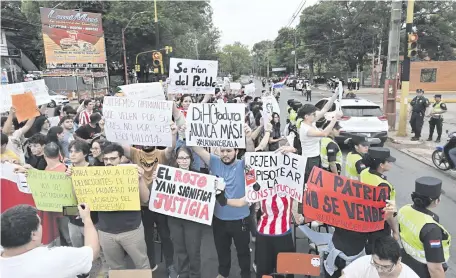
440, 158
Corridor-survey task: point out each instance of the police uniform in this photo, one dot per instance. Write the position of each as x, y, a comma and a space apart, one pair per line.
436, 118
419, 105
330, 152
423, 238
354, 162
374, 178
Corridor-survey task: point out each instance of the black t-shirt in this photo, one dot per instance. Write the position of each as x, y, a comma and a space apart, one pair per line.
78, 222
349, 242
37, 162
116, 222
419, 104
434, 254
332, 150
87, 132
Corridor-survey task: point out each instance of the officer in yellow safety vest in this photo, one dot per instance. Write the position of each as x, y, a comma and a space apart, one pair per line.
330, 153
425, 242
438, 108
354, 162
379, 161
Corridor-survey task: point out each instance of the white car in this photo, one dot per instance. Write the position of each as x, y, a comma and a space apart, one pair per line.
362, 117
57, 99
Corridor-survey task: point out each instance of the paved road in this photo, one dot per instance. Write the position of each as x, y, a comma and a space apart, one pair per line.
403, 174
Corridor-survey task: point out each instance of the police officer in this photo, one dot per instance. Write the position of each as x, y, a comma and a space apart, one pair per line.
425, 241
354, 162
419, 104
438, 108
330, 153
379, 161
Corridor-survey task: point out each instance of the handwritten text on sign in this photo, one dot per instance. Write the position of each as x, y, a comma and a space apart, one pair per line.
183, 194
268, 173
51, 190
110, 188
215, 125
144, 90
138, 121
37, 87
344, 203
192, 76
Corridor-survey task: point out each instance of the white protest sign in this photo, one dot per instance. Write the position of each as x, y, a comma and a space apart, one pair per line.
270, 104
340, 90
7, 173
249, 89
138, 121
270, 173
215, 125
183, 194
144, 91
54, 121
235, 86
192, 76
37, 87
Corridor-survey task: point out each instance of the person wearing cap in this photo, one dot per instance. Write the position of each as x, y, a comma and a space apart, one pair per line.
419, 104
354, 163
379, 161
330, 153
438, 108
425, 242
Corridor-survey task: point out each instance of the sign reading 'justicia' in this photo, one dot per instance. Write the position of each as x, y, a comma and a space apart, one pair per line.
73, 17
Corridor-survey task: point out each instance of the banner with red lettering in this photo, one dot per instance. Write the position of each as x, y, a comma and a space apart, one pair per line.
270, 173
183, 194
344, 203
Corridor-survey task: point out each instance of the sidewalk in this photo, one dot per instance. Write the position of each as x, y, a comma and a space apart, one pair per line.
420, 150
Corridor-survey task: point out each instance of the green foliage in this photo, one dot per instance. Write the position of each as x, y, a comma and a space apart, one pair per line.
235, 59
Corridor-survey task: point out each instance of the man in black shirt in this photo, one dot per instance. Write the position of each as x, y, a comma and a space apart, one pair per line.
36, 160
419, 104
89, 131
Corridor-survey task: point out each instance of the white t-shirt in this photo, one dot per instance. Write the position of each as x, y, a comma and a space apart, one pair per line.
310, 145
362, 268
44, 262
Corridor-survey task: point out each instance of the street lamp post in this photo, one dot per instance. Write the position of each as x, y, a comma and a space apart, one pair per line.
124, 49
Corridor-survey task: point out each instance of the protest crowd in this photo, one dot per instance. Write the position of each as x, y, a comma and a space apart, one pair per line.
112, 175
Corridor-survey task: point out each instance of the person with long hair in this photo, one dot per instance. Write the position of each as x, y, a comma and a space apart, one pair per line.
425, 242
96, 147
379, 162
276, 135
56, 135
354, 162
41, 125
186, 235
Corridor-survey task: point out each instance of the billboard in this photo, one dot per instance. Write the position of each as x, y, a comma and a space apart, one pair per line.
72, 39
278, 69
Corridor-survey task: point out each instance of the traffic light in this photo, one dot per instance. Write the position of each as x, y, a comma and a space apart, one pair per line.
412, 44
137, 68
157, 61
168, 49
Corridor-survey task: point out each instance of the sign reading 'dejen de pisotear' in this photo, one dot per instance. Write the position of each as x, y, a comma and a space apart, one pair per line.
183, 194
270, 173
344, 203
215, 125
143, 122
192, 76
113, 188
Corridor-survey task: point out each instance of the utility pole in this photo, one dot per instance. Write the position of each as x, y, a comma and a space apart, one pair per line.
157, 29
403, 112
295, 59
373, 63
390, 89
267, 69
124, 57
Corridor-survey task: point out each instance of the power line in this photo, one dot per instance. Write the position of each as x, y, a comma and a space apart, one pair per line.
297, 12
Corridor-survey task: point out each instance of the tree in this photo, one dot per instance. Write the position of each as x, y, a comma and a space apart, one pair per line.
235, 59
263, 53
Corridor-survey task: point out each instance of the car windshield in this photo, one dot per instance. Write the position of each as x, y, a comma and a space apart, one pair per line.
362, 111
52, 93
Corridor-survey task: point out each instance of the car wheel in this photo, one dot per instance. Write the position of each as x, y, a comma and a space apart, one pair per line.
51, 104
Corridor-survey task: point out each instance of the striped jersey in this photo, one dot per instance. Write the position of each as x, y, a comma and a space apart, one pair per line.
275, 217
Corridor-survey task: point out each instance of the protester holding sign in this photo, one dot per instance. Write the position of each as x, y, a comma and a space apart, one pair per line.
231, 223
276, 135
379, 162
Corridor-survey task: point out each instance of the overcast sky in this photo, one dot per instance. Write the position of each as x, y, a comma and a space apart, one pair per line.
251, 21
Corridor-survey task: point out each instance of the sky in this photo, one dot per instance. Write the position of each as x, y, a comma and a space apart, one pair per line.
251, 21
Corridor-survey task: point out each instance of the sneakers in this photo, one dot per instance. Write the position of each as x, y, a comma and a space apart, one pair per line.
172, 273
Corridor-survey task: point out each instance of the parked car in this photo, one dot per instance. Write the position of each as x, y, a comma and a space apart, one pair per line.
362, 117
57, 99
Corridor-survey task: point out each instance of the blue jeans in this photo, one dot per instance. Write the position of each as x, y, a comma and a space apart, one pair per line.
452, 155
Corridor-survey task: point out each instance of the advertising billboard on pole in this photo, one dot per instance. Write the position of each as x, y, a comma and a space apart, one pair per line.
72, 39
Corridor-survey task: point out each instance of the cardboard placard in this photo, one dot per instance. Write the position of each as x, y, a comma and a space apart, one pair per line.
270, 105
249, 89
112, 188
25, 105
192, 76
141, 122
215, 125
183, 194
51, 190
270, 173
37, 87
344, 203
235, 86
152, 90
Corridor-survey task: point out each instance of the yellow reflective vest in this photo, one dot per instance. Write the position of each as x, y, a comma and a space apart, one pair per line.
324, 153
293, 116
350, 165
411, 222
436, 108
374, 180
